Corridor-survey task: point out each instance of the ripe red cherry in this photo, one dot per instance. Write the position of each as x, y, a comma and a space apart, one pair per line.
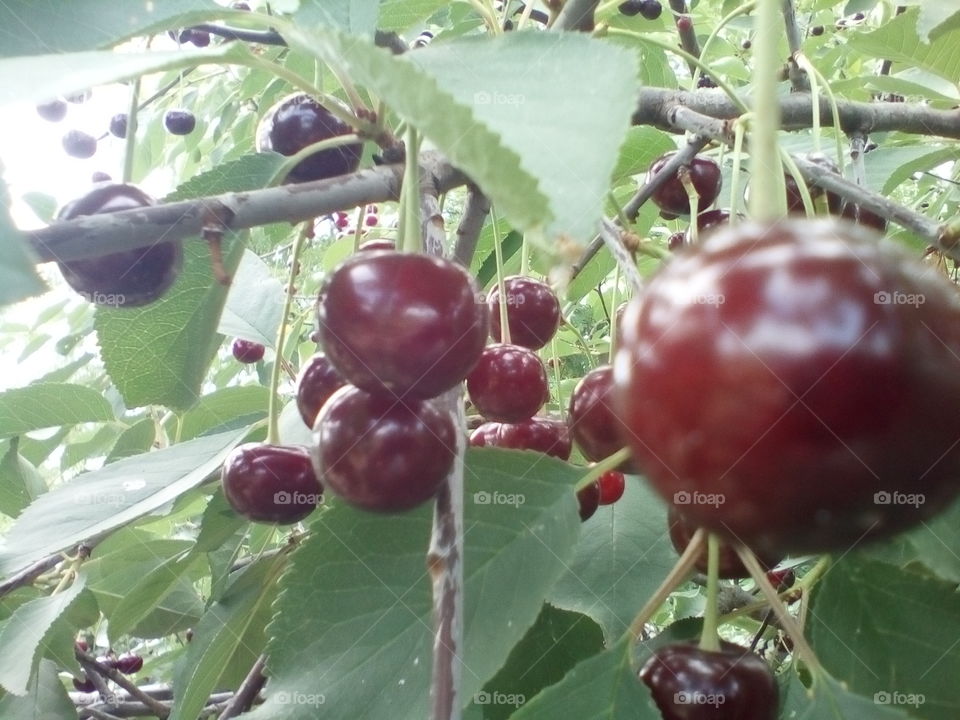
781, 579
179, 122
588, 497
79, 144
86, 685
730, 566
271, 483
795, 201
129, 663
862, 216
130, 278
53, 111
688, 683
533, 312
405, 322
593, 423
297, 121
676, 241
508, 384
318, 380
804, 372
380, 453
612, 484
540, 434
118, 125
247, 351
672, 197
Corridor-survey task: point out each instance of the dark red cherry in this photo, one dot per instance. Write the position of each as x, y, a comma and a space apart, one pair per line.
650, 9
781, 579
593, 423
200, 38
588, 498
53, 111
672, 196
816, 30
381, 453
86, 685
676, 241
79, 144
118, 125
378, 244
804, 373
541, 434
179, 122
247, 351
630, 7
730, 566
129, 663
318, 380
406, 322
271, 483
508, 384
612, 484
533, 312
688, 683
299, 120
125, 279
795, 201
862, 216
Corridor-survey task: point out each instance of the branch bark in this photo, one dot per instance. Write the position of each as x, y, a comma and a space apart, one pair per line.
247, 692
577, 15
688, 35
92, 667
471, 224
798, 78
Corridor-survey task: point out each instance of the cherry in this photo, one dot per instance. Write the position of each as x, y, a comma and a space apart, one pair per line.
684, 24
588, 498
247, 351
795, 201
672, 196
86, 685
79, 98
406, 322
689, 683
53, 111
130, 278
129, 663
240, 6
99, 177
539, 433
118, 125
611, 484
380, 453
270, 483
199, 38
318, 380
676, 241
630, 7
297, 121
707, 222
81, 646
533, 312
862, 216
705, 81
79, 144
798, 381
593, 423
817, 30
781, 579
509, 383
650, 9
730, 566
746, 45
179, 122
378, 244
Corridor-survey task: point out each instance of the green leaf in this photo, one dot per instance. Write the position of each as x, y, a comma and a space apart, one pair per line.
887, 167
45, 699
135, 440
937, 17
24, 633
218, 636
354, 17
255, 303
250, 172
370, 616
20, 483
400, 15
18, 276
623, 554
831, 701
882, 631
642, 146
148, 591
556, 642
605, 687
44, 405
58, 645
99, 501
225, 409
897, 40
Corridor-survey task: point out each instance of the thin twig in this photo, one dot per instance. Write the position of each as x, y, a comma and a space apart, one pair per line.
611, 238
384, 39
687, 33
577, 15
432, 229
475, 213
798, 79
90, 663
247, 692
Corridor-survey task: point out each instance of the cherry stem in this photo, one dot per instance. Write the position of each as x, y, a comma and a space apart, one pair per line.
787, 621
556, 376
410, 234
811, 70
676, 576
767, 200
524, 251
614, 301
609, 463
130, 146
694, 198
358, 227
808, 203
709, 640
289, 163
501, 287
273, 408
735, 198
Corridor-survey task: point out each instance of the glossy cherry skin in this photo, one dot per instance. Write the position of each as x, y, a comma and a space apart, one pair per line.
118, 125
53, 111
297, 121
533, 312
318, 380
651, 9
247, 351
688, 683
612, 484
271, 483
588, 498
508, 383
129, 663
862, 216
406, 322
380, 453
86, 685
672, 197
179, 122
793, 372
730, 566
540, 434
594, 425
79, 144
377, 244
125, 279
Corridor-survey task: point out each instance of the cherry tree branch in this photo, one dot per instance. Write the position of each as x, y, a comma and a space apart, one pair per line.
382, 38
686, 31
247, 692
471, 224
798, 78
577, 15
92, 667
